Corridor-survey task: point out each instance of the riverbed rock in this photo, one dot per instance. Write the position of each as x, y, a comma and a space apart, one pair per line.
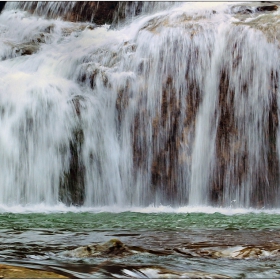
17, 272
234, 252
113, 247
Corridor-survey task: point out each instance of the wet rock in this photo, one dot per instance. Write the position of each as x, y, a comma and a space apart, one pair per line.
242, 10
237, 252
72, 186
26, 49
16, 272
232, 149
2, 5
251, 9
99, 12
267, 8
113, 247
66, 31
268, 24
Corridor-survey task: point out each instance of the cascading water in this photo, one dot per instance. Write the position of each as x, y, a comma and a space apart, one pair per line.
177, 106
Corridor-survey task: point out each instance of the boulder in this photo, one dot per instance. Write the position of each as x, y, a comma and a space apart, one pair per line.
111, 248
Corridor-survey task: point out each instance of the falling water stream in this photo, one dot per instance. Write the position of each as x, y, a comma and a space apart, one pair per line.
160, 129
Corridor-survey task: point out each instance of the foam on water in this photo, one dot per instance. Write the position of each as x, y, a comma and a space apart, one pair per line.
62, 208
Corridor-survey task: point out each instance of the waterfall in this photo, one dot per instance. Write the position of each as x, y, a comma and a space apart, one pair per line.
161, 103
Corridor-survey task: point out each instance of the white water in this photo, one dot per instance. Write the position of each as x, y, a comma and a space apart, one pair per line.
111, 83
62, 208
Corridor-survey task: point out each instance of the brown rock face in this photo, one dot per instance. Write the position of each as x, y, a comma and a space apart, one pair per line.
267, 8
99, 12
18, 272
166, 129
232, 154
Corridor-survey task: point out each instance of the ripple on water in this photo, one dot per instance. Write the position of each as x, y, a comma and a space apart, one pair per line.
209, 245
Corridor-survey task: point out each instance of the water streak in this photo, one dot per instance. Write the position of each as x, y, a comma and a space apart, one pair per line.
177, 106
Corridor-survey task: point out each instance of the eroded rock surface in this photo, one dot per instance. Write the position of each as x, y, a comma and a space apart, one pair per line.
99, 12
113, 247
18, 272
232, 252
245, 252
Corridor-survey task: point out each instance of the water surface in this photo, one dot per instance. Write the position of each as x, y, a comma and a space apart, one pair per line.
175, 241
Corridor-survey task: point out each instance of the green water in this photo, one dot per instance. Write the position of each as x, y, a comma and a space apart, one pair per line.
139, 221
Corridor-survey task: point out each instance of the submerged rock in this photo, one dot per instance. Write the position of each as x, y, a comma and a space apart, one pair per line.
113, 247
249, 252
232, 252
26, 49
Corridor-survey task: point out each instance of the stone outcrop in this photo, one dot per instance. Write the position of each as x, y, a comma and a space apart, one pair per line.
99, 12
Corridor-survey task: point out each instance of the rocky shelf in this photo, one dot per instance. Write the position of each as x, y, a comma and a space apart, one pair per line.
19, 272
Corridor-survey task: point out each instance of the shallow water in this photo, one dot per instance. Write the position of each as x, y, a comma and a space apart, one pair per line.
176, 241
